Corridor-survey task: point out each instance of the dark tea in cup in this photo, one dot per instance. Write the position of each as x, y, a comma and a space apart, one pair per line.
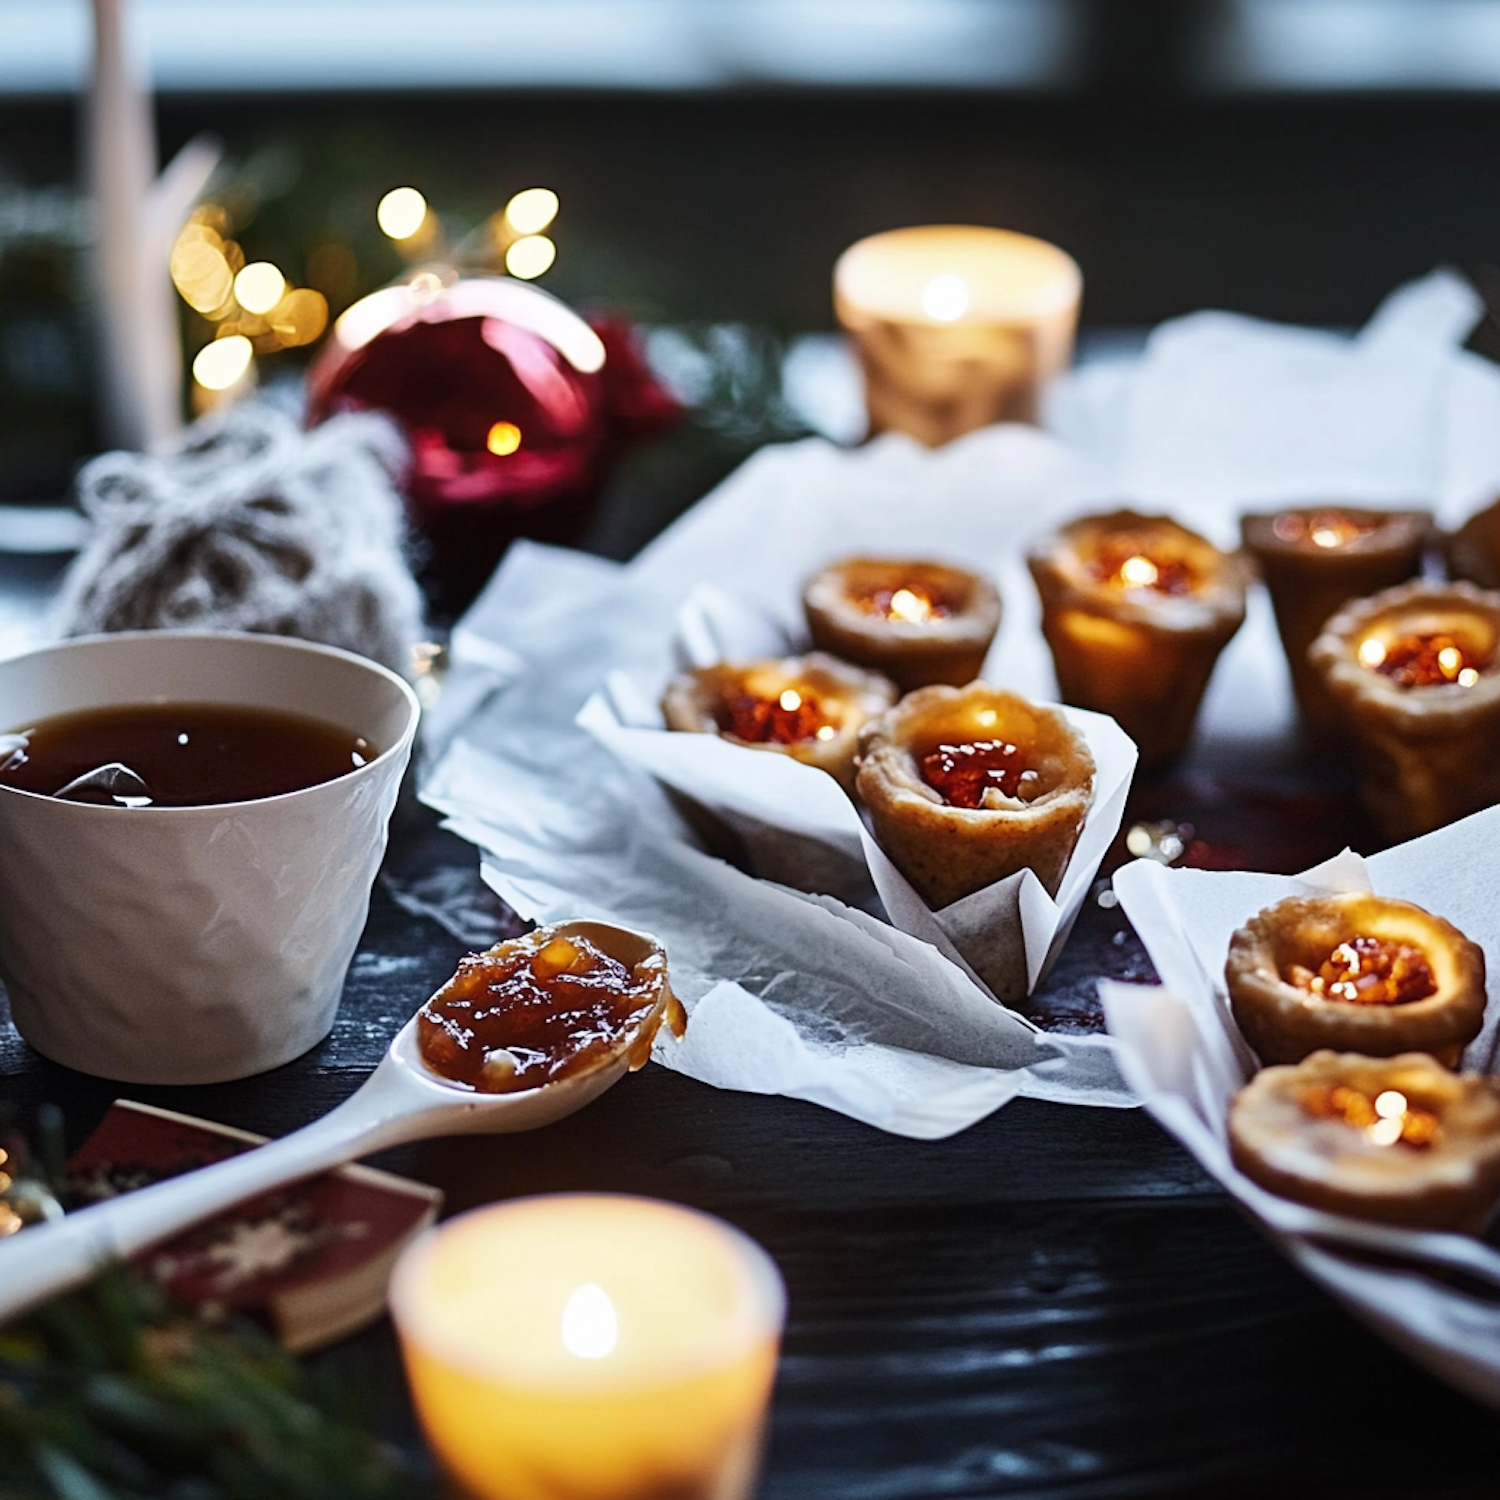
187, 754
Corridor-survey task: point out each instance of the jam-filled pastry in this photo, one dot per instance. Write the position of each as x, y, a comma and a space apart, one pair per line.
1357, 973
1414, 672
917, 622
809, 707
1314, 559
1397, 1139
1136, 610
1473, 551
965, 786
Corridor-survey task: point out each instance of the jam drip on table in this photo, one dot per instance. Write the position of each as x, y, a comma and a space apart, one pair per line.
1128, 563
518, 1018
787, 719
1417, 661
1369, 971
1325, 529
1388, 1119
961, 774
910, 604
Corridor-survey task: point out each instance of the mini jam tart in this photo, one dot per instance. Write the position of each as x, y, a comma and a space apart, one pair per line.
547, 1005
917, 622
1357, 973
968, 785
809, 707
1136, 610
1473, 551
1414, 673
1399, 1139
1316, 558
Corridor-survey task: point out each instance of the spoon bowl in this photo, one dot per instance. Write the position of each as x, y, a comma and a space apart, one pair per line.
402, 1100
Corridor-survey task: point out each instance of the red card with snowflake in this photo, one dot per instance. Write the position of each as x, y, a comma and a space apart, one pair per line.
311, 1259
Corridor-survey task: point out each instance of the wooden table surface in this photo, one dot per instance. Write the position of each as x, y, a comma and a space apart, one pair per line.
1056, 1302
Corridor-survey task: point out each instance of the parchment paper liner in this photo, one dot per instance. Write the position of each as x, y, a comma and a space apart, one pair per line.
1180, 1050
799, 828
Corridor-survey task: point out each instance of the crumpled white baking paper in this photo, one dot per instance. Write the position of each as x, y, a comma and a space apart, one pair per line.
788, 993
1435, 1295
1224, 413
800, 828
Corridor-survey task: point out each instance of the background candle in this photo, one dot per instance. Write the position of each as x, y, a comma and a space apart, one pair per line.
590, 1346
956, 326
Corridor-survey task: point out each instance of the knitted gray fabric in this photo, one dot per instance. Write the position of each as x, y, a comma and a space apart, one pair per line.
251, 524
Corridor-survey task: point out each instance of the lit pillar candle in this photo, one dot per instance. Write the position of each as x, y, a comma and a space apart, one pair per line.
590, 1346
956, 326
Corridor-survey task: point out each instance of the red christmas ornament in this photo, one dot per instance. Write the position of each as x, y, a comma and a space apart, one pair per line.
515, 409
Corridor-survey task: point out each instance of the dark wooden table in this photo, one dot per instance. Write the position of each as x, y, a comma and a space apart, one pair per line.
1056, 1302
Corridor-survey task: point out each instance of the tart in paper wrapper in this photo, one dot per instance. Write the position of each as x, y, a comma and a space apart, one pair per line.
1434, 1294
799, 828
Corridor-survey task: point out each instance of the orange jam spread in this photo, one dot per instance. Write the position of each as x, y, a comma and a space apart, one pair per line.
1369, 971
1127, 562
1325, 529
517, 1018
789, 718
960, 774
1389, 1119
912, 604
1418, 661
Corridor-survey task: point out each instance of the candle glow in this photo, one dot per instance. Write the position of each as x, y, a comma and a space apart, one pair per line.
594, 1346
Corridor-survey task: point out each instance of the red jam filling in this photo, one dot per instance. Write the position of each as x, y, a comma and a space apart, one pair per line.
1325, 530
961, 774
1369, 971
790, 718
518, 1018
1129, 563
908, 604
1388, 1119
1418, 661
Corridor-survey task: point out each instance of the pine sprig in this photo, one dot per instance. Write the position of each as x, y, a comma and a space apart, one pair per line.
108, 1394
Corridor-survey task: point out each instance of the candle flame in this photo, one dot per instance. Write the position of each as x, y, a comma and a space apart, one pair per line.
945, 299
1371, 652
503, 438
590, 1325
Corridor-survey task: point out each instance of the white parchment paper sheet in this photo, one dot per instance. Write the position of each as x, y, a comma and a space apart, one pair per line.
1182, 1051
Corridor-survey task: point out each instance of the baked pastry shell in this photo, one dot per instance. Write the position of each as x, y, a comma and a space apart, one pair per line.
692, 702
1329, 1165
949, 649
1143, 658
1283, 1023
1307, 584
947, 852
1426, 754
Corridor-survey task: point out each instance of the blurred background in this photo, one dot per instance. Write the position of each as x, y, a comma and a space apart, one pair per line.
1293, 159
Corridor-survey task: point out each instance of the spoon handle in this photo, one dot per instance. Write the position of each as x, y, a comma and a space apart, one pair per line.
49, 1258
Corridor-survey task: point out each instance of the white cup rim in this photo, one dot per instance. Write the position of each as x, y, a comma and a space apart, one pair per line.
254, 639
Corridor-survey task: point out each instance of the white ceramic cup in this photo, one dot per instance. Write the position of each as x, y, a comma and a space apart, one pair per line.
192, 944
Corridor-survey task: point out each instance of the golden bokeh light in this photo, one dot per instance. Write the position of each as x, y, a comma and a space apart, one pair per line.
200, 268
401, 213
299, 317
531, 211
530, 257
222, 363
259, 287
504, 438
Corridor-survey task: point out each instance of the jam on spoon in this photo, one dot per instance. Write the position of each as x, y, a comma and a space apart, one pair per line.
539, 1009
